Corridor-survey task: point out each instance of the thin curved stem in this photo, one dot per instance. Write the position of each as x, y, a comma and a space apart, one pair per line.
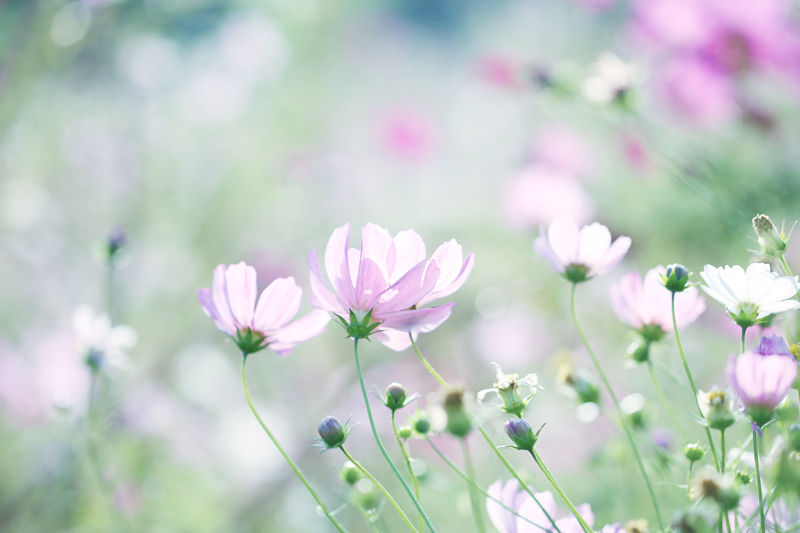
744, 331
723, 466
482, 491
616, 404
487, 438
758, 479
552, 479
381, 488
691, 382
380, 444
476, 510
664, 402
292, 464
407, 460
433, 372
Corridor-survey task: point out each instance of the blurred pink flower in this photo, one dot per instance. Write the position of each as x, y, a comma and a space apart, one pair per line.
641, 304
512, 497
391, 278
531, 511
635, 153
584, 253
761, 381
498, 70
539, 195
408, 134
231, 303
563, 150
678, 24
698, 91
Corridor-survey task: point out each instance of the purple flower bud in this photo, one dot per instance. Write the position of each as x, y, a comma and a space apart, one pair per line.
520, 433
331, 432
772, 345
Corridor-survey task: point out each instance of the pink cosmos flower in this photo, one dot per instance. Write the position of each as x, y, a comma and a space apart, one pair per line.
761, 382
408, 134
699, 91
539, 195
391, 278
231, 303
580, 254
648, 305
535, 520
498, 70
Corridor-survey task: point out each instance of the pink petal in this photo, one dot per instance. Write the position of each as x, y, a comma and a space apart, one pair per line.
370, 284
279, 302
321, 295
393, 339
409, 290
447, 290
418, 320
593, 242
563, 238
542, 247
375, 245
220, 296
302, 329
240, 285
207, 303
408, 250
612, 257
337, 265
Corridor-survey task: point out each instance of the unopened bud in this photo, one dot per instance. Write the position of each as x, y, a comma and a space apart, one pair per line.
422, 425
395, 396
331, 432
772, 242
694, 452
520, 433
458, 421
350, 473
676, 278
405, 432
742, 477
639, 351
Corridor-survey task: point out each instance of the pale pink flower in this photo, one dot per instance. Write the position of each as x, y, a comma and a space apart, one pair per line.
498, 70
391, 278
761, 382
580, 254
649, 304
699, 91
532, 518
539, 195
563, 150
408, 134
231, 303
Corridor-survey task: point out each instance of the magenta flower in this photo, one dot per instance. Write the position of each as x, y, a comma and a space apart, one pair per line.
231, 303
388, 282
761, 382
647, 307
580, 254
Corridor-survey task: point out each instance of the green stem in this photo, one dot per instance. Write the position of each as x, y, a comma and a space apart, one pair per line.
479, 489
380, 444
552, 479
728, 522
758, 479
488, 440
381, 488
723, 465
664, 402
427, 364
476, 510
785, 266
744, 330
296, 469
691, 382
407, 460
689, 483
616, 404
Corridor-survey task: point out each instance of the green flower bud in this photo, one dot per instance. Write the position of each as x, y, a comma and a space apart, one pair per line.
350, 473
458, 420
422, 425
676, 278
521, 434
694, 452
405, 432
397, 397
742, 477
639, 351
771, 242
717, 408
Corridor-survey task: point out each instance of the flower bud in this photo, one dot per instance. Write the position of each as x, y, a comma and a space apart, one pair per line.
794, 437
639, 351
520, 433
116, 241
422, 425
405, 432
458, 421
717, 408
578, 383
331, 432
676, 278
633, 406
772, 242
350, 473
395, 396
694, 452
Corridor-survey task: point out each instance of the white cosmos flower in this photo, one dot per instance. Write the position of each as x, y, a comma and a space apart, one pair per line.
753, 295
100, 343
507, 389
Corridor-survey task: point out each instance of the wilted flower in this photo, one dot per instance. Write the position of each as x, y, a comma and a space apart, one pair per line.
647, 306
98, 342
761, 382
753, 295
507, 389
772, 242
717, 408
580, 254
231, 303
387, 282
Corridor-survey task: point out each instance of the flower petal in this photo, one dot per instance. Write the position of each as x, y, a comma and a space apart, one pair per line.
446, 289
611, 258
321, 295
220, 296
337, 264
563, 238
418, 320
408, 251
278, 303
542, 247
593, 242
240, 286
409, 290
